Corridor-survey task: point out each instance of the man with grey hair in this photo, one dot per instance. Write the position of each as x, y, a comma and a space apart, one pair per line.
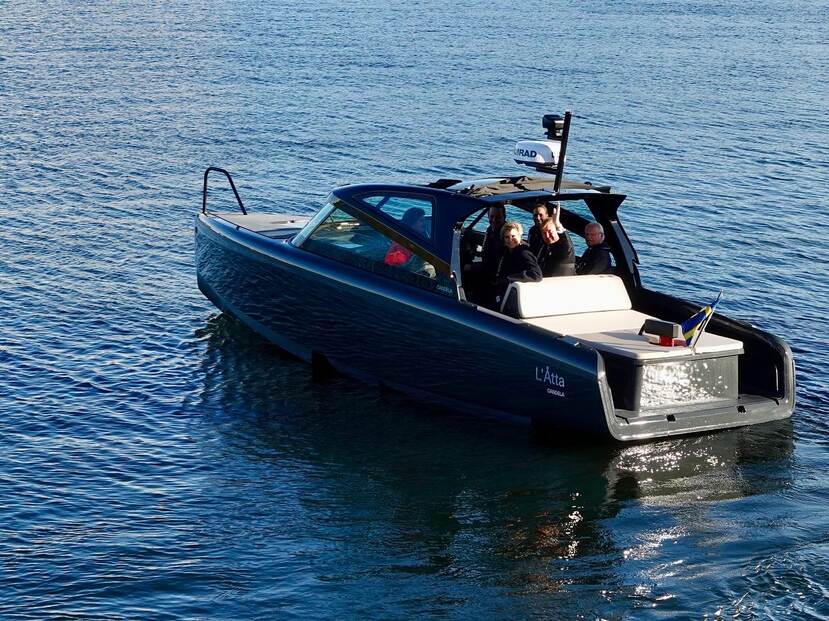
596, 259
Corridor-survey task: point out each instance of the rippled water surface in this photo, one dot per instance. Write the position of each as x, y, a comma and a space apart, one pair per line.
161, 461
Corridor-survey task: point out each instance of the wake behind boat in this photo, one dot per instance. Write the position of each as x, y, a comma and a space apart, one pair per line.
383, 284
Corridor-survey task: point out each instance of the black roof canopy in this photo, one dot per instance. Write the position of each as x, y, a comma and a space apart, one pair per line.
457, 202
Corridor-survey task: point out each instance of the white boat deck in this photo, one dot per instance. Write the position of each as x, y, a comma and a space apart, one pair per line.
269, 224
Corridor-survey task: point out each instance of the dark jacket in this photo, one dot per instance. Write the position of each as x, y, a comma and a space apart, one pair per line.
558, 259
534, 239
517, 265
493, 249
595, 260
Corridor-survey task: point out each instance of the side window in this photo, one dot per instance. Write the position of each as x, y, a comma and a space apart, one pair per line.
347, 239
412, 211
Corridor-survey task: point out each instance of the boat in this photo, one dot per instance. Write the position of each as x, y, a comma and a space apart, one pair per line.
376, 285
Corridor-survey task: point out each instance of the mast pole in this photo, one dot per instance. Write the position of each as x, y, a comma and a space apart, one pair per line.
565, 132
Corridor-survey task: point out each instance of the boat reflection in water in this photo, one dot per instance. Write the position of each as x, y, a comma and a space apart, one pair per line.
367, 485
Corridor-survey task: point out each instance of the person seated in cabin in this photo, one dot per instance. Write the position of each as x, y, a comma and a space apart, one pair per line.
478, 277
596, 259
415, 219
493, 246
556, 256
400, 256
534, 235
517, 264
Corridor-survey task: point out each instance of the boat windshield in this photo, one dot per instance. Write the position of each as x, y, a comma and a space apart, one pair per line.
347, 238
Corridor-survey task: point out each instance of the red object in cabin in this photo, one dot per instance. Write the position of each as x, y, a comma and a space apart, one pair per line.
397, 255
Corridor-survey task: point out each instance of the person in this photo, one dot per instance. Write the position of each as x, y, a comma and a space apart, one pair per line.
415, 219
556, 257
517, 264
534, 234
596, 259
400, 256
478, 278
493, 246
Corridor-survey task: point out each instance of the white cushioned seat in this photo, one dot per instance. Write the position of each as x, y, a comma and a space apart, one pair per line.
597, 310
566, 295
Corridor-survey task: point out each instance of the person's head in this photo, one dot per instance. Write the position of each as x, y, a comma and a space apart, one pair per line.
540, 212
548, 231
415, 218
497, 214
594, 234
511, 233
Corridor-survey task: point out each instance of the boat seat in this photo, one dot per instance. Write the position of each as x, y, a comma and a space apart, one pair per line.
567, 295
596, 309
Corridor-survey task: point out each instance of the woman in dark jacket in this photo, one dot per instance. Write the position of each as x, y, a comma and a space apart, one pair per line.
517, 263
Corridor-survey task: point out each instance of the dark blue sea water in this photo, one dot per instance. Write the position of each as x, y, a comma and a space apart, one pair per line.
160, 461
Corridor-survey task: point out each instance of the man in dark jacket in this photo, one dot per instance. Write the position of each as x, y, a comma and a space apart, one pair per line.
596, 259
479, 278
534, 239
493, 246
556, 256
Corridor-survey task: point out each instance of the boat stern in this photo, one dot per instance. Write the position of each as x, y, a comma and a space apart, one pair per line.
714, 395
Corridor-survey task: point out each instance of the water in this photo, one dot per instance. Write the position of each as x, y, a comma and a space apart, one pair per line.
160, 461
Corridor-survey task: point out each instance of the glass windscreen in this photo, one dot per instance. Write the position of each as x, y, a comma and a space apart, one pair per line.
347, 239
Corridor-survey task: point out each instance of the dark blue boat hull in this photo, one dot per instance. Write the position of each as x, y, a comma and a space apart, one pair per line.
379, 330
433, 346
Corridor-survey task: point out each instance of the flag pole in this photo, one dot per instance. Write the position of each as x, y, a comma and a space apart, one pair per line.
704, 324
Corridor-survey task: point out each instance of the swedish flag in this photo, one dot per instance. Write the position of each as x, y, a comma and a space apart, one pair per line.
693, 327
